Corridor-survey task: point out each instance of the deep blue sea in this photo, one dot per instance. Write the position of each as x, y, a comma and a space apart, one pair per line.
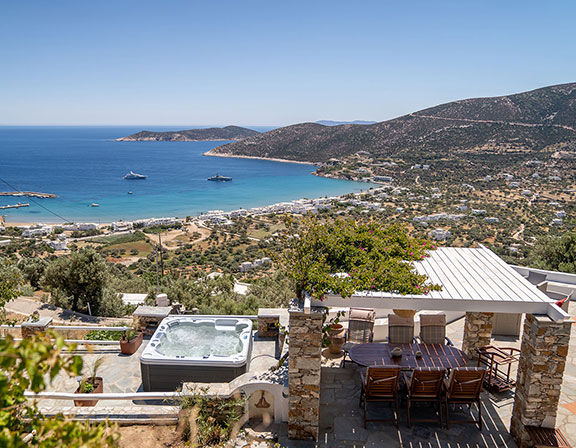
82, 165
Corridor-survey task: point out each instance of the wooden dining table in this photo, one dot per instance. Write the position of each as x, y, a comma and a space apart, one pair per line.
432, 355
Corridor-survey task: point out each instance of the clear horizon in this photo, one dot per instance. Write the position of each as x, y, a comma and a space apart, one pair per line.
260, 64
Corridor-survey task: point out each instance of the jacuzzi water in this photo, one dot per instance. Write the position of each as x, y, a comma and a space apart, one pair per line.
199, 341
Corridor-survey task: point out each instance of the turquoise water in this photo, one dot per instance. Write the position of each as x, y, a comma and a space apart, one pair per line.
82, 165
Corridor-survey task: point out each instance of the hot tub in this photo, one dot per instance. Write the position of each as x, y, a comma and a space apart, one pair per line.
196, 349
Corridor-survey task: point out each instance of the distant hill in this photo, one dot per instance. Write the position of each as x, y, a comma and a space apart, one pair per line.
191, 135
338, 123
535, 121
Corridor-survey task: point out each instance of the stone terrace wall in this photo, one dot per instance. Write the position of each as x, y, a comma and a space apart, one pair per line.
540, 370
477, 332
305, 358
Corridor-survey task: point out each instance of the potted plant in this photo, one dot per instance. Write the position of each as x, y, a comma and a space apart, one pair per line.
131, 341
91, 384
333, 333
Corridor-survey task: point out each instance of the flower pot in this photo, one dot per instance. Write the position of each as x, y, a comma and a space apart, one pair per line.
405, 313
98, 389
337, 337
130, 347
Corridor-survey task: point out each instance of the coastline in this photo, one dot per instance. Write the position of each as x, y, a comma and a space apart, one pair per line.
237, 156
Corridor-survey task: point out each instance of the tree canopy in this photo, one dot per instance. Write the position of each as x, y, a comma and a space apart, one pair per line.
555, 253
366, 256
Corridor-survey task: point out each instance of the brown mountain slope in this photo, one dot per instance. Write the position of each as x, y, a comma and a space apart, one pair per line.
530, 121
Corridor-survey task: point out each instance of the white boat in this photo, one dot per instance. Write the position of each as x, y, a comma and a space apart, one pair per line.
94, 204
219, 178
133, 175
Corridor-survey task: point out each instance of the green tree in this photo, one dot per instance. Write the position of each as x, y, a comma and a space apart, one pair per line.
345, 256
33, 270
79, 278
555, 253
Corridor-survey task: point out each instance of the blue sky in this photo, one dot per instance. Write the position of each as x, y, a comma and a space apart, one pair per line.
173, 62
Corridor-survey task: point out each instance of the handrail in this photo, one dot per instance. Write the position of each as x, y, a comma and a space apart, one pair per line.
74, 327
81, 341
104, 396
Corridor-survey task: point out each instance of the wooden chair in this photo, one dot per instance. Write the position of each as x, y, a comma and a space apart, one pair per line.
400, 329
463, 386
425, 385
360, 329
499, 362
380, 384
547, 437
433, 329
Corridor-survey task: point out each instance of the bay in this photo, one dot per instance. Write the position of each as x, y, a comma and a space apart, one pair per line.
83, 165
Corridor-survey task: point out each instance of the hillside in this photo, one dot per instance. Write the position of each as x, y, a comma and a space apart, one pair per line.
539, 120
191, 135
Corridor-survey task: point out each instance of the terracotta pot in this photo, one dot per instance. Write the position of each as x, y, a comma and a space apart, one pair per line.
405, 313
98, 389
337, 337
130, 347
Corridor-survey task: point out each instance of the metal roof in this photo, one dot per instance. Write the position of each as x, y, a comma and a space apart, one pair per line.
472, 279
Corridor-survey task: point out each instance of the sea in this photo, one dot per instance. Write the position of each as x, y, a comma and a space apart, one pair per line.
84, 165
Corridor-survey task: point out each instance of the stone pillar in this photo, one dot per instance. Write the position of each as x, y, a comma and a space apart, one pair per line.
540, 370
31, 328
268, 326
477, 332
305, 359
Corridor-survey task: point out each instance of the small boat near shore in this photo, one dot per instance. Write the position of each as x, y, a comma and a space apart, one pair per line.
132, 176
94, 204
219, 178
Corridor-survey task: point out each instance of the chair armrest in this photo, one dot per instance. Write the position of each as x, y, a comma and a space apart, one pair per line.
449, 342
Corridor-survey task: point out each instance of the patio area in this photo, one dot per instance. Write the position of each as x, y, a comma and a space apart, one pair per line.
341, 422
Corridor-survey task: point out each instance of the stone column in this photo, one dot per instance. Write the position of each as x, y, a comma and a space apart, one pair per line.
31, 328
477, 332
268, 325
305, 358
540, 370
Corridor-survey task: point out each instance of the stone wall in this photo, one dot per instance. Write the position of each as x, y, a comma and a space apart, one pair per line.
305, 356
268, 326
540, 370
31, 328
477, 332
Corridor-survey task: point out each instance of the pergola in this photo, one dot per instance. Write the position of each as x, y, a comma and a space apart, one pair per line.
475, 281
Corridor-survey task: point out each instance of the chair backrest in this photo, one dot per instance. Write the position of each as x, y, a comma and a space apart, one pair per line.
382, 381
465, 383
400, 329
433, 328
361, 325
426, 382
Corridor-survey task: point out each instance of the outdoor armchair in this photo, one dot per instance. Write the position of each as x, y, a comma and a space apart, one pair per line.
380, 384
424, 385
463, 386
400, 329
433, 329
360, 329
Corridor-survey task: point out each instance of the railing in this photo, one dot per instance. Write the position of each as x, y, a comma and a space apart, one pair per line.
104, 396
77, 327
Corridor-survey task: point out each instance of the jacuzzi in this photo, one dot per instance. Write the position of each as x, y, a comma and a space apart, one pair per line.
196, 349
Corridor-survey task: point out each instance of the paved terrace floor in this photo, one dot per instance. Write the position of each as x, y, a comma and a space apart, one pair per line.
121, 373
341, 422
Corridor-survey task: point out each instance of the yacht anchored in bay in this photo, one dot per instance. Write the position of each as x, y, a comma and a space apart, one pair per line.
219, 178
132, 175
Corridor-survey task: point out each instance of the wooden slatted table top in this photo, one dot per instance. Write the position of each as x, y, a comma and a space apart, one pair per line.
433, 355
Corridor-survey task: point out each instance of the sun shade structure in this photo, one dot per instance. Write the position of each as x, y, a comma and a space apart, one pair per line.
472, 279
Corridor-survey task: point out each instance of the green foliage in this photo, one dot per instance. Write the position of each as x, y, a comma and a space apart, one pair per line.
370, 256
30, 365
211, 421
555, 253
121, 239
103, 335
162, 228
77, 280
33, 270
129, 335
